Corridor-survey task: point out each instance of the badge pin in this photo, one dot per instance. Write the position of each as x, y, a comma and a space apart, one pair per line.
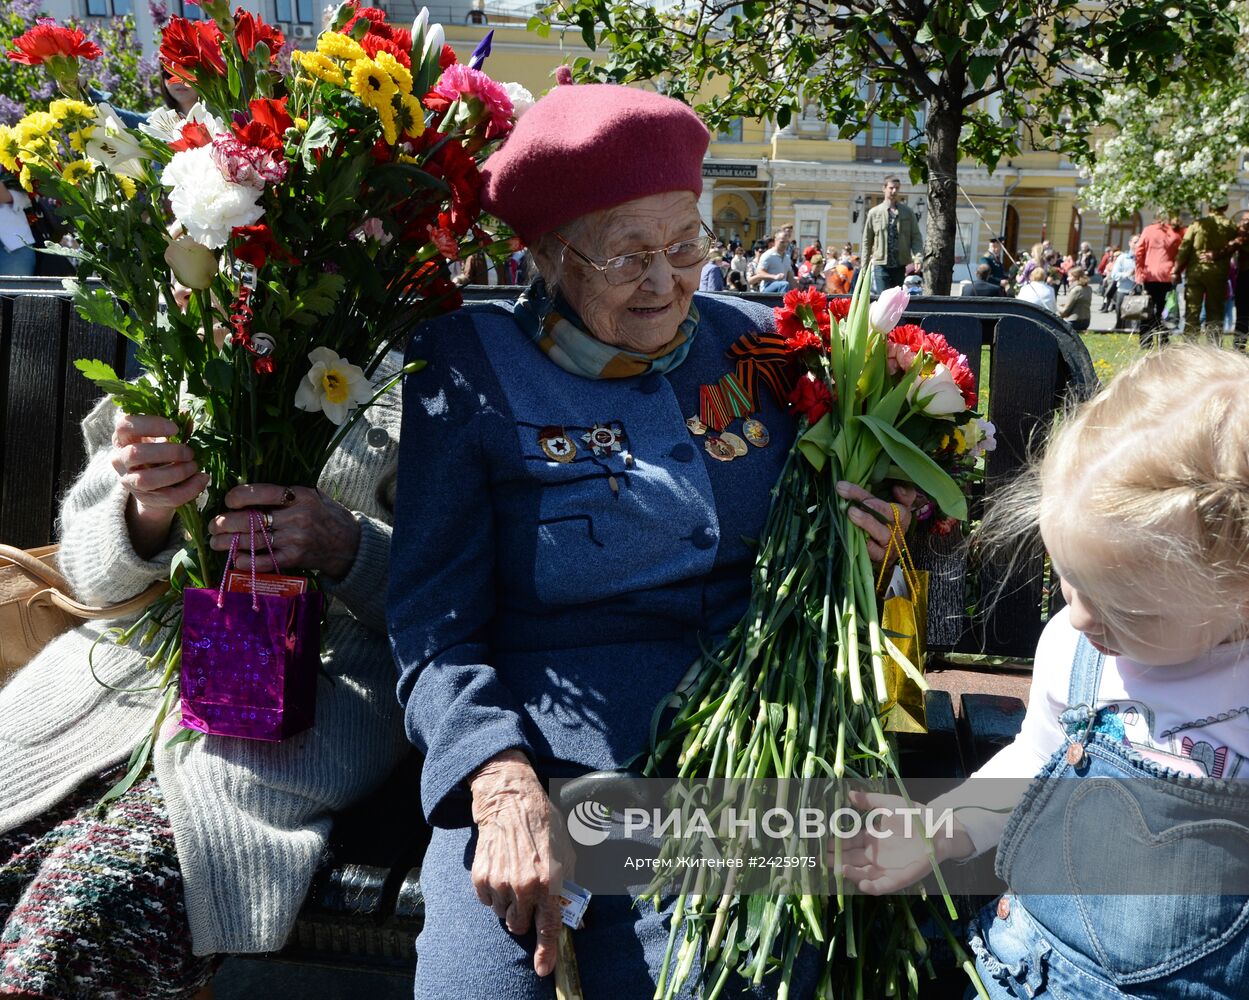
557, 445
756, 433
604, 439
719, 449
1075, 754
734, 442
696, 426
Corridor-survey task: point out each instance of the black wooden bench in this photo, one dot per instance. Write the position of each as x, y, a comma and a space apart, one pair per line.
365, 905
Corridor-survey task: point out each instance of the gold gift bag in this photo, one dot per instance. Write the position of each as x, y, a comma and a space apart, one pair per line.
903, 620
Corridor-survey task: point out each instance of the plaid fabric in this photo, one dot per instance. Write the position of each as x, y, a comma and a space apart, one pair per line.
91, 902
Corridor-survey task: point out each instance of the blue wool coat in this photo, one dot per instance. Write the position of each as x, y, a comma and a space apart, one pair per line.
535, 606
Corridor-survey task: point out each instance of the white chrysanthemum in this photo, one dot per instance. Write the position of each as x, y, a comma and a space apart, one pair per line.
208, 205
333, 385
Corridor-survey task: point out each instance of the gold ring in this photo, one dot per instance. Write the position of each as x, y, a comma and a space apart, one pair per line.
268, 519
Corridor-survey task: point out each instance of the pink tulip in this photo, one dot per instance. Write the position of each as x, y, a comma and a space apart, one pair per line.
888, 309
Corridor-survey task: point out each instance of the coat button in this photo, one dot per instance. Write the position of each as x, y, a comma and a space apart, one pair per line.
378, 437
650, 383
1003, 908
684, 452
703, 538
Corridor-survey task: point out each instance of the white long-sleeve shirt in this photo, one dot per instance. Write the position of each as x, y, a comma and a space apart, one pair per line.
1192, 717
14, 229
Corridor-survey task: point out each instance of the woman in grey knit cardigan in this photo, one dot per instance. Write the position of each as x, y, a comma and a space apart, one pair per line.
214, 849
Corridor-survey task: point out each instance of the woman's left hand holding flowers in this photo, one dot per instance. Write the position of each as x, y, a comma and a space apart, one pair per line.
308, 530
877, 530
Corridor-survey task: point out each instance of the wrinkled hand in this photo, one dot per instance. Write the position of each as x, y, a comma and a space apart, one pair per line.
881, 858
516, 871
158, 474
310, 532
878, 532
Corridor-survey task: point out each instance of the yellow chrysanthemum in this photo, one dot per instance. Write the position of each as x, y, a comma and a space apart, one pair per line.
396, 71
35, 125
337, 46
24, 179
405, 158
78, 139
411, 115
128, 186
63, 108
77, 170
300, 123
9, 149
372, 84
320, 67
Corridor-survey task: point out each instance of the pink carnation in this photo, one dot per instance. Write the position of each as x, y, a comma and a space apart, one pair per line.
461, 81
240, 163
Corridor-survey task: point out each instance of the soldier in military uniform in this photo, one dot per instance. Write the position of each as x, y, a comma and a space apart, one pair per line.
1203, 263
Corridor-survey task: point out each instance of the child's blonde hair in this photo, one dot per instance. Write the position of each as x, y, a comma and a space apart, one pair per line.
1155, 465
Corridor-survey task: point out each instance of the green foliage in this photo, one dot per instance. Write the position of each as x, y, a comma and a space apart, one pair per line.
974, 78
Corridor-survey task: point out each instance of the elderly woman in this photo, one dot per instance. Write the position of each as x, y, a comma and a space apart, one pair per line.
213, 849
552, 584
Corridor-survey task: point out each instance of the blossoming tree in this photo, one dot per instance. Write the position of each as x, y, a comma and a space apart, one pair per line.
973, 78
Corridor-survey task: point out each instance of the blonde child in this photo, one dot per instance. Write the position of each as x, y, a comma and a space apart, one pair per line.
1128, 879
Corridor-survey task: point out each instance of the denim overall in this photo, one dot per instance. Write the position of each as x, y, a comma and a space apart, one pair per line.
1127, 878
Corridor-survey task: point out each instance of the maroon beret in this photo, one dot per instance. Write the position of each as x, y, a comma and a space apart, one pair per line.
588, 147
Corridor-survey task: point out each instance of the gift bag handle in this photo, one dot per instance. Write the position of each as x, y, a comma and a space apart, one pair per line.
897, 544
253, 518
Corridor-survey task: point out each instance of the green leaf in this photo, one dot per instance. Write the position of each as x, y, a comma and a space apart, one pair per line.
318, 299
103, 376
922, 470
219, 374
320, 134
980, 68
817, 443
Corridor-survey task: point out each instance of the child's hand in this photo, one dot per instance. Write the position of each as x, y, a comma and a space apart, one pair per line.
881, 858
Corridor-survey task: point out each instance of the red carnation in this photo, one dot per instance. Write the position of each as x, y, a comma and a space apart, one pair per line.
805, 340
272, 114
259, 245
799, 309
373, 44
189, 47
811, 398
447, 58
48, 40
251, 31
194, 135
839, 308
910, 336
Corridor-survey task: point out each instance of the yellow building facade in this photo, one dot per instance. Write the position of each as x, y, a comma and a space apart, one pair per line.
758, 177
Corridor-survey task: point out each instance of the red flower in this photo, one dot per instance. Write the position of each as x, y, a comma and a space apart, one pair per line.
271, 114
259, 245
799, 309
373, 44
194, 135
188, 47
915, 340
453, 163
447, 57
839, 308
811, 398
943, 525
251, 31
910, 336
263, 366
444, 239
48, 40
805, 340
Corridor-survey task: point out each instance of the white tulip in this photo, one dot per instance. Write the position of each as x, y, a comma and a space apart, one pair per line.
192, 263
936, 394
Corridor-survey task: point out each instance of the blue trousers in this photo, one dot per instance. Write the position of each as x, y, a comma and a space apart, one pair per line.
17, 263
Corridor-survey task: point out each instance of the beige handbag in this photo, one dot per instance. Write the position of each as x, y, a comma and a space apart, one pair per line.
36, 606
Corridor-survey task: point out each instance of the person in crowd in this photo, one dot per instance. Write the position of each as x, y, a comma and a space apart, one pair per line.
995, 262
17, 251
712, 277
1077, 309
1156, 251
775, 267
1237, 251
1036, 258
1087, 260
1141, 500
753, 278
594, 537
839, 275
1108, 288
1038, 290
736, 282
213, 850
1064, 272
1202, 262
1122, 275
740, 260
983, 284
913, 284
891, 238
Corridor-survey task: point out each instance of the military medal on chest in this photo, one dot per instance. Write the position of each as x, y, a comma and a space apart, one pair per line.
556, 444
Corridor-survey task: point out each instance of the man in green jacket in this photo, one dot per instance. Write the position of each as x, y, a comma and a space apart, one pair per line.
1203, 264
891, 238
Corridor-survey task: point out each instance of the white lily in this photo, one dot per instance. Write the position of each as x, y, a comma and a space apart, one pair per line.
164, 125
113, 146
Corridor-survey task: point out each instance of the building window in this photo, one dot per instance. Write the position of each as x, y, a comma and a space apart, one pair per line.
109, 8
731, 132
191, 11
879, 138
298, 11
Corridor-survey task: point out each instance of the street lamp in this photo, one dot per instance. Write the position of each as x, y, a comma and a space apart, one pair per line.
858, 207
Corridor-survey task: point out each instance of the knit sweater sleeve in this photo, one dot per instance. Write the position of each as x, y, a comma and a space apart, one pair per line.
96, 555
457, 709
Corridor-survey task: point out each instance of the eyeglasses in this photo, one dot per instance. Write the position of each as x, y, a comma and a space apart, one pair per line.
632, 267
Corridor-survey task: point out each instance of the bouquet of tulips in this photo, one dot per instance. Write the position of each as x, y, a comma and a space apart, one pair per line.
796, 690
265, 250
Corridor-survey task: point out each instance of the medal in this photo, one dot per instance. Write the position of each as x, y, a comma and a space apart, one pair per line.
696, 426
1075, 754
604, 439
734, 442
756, 433
719, 449
557, 445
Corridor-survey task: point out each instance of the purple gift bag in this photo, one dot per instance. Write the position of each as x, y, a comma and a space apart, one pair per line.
249, 660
